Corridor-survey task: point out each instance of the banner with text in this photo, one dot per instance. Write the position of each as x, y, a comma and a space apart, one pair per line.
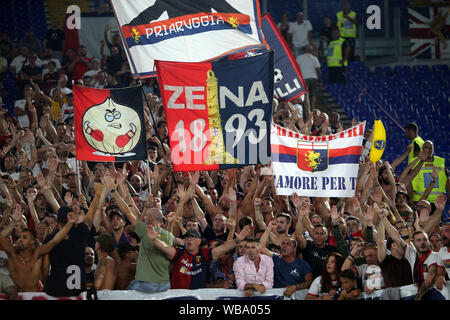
316, 166
218, 113
185, 30
288, 79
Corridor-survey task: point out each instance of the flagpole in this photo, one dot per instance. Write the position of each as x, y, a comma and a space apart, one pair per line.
149, 177
78, 176
156, 130
309, 105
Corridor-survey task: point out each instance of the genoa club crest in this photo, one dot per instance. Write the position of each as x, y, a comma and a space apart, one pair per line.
312, 156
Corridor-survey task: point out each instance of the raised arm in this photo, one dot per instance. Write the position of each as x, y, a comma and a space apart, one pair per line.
160, 245
259, 219
266, 235
299, 227
380, 241
46, 248
392, 232
435, 219
229, 245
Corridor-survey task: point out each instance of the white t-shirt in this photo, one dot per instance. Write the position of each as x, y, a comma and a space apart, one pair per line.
308, 65
410, 254
23, 120
444, 259
316, 287
54, 60
300, 32
17, 63
67, 111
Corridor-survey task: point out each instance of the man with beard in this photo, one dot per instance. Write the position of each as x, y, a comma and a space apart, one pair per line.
126, 266
253, 271
80, 65
283, 222
314, 252
137, 183
290, 272
90, 267
26, 256
422, 260
218, 229
444, 256
387, 181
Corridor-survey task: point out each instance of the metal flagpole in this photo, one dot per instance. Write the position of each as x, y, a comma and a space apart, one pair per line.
149, 177
309, 105
79, 177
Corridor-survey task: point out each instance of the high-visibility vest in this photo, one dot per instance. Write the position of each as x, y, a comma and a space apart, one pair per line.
417, 140
334, 53
346, 27
423, 178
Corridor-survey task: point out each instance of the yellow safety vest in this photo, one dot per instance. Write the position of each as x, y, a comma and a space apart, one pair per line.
334, 53
346, 27
423, 178
420, 142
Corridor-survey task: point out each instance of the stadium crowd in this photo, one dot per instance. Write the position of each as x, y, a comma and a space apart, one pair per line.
68, 226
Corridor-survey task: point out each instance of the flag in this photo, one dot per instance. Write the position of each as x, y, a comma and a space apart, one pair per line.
288, 79
218, 113
109, 124
429, 32
185, 30
379, 141
316, 166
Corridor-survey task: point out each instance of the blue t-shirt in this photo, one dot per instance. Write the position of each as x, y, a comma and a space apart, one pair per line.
287, 274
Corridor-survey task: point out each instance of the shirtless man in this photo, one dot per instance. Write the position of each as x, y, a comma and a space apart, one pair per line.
283, 221
126, 267
105, 274
26, 257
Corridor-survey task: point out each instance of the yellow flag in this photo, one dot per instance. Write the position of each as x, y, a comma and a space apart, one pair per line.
378, 141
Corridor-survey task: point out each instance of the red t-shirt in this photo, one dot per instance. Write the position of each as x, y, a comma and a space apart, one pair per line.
80, 69
190, 271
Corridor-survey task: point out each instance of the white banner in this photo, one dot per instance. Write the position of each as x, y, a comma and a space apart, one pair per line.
316, 166
186, 31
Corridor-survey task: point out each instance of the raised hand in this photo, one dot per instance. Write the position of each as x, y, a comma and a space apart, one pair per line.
244, 233
43, 183
53, 164
151, 233
231, 223
232, 195
334, 213
17, 212
68, 199
298, 202
171, 216
257, 202
440, 202
193, 178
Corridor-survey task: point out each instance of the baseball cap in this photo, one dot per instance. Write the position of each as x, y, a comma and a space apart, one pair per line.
125, 247
192, 233
106, 241
118, 213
